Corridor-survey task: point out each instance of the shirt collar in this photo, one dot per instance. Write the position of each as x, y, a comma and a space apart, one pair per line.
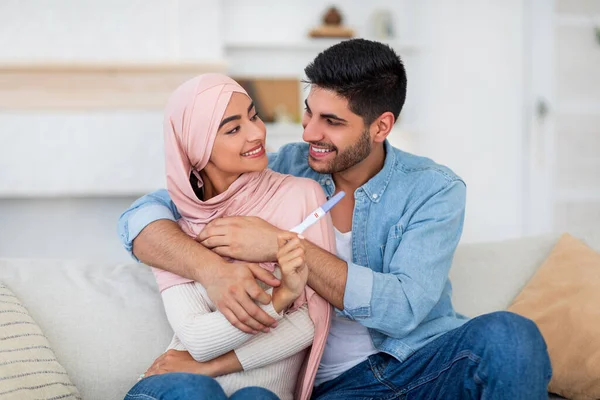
375, 186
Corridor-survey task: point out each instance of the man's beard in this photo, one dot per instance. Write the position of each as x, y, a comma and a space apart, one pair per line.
349, 157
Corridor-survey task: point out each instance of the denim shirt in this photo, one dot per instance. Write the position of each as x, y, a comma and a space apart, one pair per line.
406, 224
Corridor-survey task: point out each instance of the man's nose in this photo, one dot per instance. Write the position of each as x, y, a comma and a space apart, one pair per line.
312, 133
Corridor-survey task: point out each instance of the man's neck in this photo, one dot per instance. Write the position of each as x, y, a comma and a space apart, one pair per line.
354, 177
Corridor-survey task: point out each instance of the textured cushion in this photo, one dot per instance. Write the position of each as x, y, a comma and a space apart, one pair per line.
106, 322
563, 298
28, 366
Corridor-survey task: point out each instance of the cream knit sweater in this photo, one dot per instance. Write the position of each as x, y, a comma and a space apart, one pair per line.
270, 360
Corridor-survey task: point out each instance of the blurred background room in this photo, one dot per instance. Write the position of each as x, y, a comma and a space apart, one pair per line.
504, 92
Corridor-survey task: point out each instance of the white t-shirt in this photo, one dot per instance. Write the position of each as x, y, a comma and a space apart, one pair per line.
348, 343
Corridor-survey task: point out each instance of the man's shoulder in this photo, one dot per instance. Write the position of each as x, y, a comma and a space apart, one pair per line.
417, 181
291, 159
294, 152
424, 169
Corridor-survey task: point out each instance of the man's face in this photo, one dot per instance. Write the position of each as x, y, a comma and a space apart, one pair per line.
337, 137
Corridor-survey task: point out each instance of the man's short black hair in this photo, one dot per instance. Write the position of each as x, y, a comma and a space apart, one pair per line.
370, 75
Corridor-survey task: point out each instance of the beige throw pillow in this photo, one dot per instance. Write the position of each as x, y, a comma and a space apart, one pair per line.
28, 366
563, 298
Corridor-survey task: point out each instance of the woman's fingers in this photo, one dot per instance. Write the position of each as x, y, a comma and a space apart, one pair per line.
284, 237
288, 249
285, 259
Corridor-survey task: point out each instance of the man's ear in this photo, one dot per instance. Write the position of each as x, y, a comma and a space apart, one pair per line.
382, 126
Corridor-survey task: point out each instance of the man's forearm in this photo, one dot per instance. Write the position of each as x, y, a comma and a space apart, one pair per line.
327, 275
162, 244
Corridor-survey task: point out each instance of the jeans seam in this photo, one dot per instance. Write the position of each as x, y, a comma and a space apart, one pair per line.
140, 396
462, 355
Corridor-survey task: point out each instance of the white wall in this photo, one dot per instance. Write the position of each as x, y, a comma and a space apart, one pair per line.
464, 107
74, 228
109, 30
473, 107
100, 153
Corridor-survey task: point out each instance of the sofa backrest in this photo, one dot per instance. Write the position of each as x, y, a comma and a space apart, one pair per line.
486, 277
106, 322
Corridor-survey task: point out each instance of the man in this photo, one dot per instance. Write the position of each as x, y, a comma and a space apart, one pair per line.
396, 334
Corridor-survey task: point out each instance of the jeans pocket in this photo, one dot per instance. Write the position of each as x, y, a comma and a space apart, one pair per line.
378, 363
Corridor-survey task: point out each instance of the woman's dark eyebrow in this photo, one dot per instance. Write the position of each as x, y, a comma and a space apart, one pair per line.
234, 117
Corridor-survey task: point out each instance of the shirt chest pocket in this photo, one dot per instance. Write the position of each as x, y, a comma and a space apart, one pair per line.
389, 247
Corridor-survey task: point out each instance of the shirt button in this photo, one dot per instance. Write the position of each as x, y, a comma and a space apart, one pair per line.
328, 181
375, 195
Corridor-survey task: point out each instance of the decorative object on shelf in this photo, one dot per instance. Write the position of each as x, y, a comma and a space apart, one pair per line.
332, 26
282, 115
383, 25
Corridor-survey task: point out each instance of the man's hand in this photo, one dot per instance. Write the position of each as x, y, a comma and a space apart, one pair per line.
233, 289
243, 238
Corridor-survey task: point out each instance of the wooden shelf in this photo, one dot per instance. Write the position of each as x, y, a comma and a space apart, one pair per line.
77, 86
316, 44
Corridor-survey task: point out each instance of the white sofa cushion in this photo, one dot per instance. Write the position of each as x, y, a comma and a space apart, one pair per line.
106, 323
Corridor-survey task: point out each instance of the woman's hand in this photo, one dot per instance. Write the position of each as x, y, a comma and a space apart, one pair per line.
182, 361
178, 361
294, 272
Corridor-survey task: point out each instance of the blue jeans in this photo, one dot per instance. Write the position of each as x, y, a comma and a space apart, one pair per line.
495, 356
182, 386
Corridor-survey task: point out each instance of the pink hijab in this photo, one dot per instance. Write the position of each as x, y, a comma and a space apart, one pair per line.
192, 117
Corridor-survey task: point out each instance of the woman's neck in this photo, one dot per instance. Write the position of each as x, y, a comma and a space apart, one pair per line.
215, 182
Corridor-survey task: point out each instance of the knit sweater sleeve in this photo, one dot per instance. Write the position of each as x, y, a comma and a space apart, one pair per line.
204, 332
294, 333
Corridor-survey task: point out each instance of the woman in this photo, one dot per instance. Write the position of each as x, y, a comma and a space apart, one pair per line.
216, 167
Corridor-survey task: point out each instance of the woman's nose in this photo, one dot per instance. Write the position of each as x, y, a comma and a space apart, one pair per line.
256, 132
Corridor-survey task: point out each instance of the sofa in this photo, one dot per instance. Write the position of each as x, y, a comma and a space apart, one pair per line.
106, 323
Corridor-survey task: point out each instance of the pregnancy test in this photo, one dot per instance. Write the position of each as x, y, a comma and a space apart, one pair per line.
318, 213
